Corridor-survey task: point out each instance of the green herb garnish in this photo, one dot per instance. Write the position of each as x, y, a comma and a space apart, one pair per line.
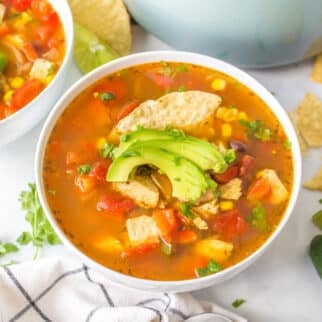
287, 145
256, 128
211, 268
238, 302
107, 150
84, 169
106, 96
317, 219
185, 209
229, 156
41, 230
128, 154
182, 88
7, 248
181, 68
258, 217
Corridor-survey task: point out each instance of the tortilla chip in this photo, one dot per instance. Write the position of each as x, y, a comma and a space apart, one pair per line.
316, 182
180, 110
302, 143
108, 19
309, 116
316, 74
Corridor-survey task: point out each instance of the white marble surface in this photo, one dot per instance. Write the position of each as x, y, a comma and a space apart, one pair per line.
282, 286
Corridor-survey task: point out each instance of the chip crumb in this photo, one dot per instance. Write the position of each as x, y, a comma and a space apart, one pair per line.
316, 74
309, 117
303, 145
314, 183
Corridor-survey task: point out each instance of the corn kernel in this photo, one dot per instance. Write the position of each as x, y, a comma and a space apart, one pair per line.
7, 96
16, 82
226, 130
230, 114
22, 19
218, 84
226, 205
100, 143
242, 116
49, 78
220, 112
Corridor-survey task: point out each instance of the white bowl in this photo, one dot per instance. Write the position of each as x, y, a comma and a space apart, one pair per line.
76, 89
30, 115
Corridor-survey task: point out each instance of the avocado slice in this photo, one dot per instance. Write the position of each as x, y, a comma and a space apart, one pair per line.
188, 181
201, 152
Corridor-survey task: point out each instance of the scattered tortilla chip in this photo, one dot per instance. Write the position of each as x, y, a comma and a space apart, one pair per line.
316, 74
316, 182
108, 19
309, 116
302, 143
181, 110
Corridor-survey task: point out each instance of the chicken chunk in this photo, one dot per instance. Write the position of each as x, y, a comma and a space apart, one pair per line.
200, 223
141, 190
231, 190
142, 229
41, 68
207, 209
278, 191
180, 110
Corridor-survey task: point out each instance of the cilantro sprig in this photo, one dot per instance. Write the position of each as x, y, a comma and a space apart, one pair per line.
211, 268
185, 209
7, 248
41, 232
257, 129
258, 217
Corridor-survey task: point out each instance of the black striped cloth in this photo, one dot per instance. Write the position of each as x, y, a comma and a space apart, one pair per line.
64, 290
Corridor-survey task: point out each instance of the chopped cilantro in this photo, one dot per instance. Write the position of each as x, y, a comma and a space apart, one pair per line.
181, 68
182, 88
317, 219
84, 169
257, 129
186, 210
212, 267
106, 96
229, 156
107, 150
258, 217
238, 302
287, 145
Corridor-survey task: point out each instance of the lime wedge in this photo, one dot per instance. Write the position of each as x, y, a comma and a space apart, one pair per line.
90, 51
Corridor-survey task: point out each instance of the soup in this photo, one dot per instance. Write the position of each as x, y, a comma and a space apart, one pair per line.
168, 171
32, 47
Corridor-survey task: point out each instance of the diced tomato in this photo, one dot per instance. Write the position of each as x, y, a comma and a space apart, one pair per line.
162, 81
99, 170
259, 189
167, 221
185, 237
85, 183
141, 249
115, 204
4, 29
52, 20
26, 93
245, 164
229, 225
114, 86
40, 8
229, 174
42, 34
127, 109
21, 5
29, 51
2, 110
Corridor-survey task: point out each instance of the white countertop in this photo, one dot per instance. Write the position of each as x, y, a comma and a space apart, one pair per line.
282, 286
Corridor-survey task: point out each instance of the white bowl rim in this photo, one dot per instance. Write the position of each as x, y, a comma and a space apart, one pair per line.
67, 21
171, 56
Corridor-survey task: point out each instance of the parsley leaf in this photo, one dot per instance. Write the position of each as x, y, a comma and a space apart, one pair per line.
257, 129
238, 302
6, 248
185, 209
258, 217
212, 267
41, 231
84, 169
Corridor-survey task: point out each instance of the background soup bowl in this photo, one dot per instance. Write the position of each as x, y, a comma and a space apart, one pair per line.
74, 91
31, 114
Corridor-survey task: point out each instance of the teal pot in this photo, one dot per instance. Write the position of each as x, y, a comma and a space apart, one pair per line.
249, 33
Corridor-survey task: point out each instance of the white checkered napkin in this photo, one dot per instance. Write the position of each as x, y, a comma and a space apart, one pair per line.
63, 290
179, 110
